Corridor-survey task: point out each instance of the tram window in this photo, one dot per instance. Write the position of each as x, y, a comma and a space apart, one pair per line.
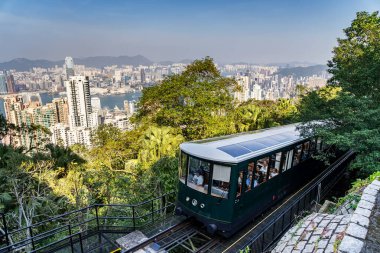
220, 181
288, 160
199, 174
183, 167
262, 169
305, 151
275, 165
297, 155
240, 184
250, 176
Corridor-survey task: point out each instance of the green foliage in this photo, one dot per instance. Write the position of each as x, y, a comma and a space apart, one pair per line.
356, 61
194, 101
354, 194
347, 110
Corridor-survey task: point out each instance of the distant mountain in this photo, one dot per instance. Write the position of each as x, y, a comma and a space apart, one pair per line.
302, 71
23, 64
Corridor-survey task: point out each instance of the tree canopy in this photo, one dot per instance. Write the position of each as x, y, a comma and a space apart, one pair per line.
197, 100
346, 113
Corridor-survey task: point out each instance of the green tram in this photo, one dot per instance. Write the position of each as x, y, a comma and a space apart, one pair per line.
225, 182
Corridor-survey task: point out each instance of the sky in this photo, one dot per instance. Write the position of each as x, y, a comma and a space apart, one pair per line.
254, 31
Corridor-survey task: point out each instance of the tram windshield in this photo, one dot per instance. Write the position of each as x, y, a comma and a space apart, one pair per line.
199, 174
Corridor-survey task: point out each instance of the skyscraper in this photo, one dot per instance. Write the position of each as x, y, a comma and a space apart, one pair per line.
79, 101
142, 75
69, 67
3, 84
10, 83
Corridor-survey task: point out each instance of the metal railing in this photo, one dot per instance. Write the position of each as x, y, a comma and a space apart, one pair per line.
319, 187
90, 223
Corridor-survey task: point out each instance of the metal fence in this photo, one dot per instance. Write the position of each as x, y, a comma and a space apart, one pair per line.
80, 230
318, 189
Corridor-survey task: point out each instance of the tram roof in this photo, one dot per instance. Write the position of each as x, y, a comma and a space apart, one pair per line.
240, 147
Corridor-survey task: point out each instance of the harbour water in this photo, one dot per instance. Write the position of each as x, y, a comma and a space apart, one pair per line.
106, 101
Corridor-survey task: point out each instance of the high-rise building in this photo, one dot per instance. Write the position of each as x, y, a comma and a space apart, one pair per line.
142, 75
79, 101
3, 84
10, 83
61, 110
69, 67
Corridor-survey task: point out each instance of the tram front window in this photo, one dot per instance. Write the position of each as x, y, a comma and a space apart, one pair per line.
220, 181
199, 174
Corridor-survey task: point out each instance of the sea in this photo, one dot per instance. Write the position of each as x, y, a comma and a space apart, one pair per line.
106, 101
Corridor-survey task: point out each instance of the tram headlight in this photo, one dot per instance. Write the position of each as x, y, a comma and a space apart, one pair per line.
194, 202
202, 205
187, 198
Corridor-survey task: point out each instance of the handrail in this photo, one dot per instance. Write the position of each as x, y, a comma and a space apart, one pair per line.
36, 239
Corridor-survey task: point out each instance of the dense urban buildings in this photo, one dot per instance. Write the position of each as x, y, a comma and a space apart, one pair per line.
73, 117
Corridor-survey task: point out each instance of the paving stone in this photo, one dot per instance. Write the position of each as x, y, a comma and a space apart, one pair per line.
356, 231
322, 243
308, 248
281, 247
319, 251
370, 191
350, 245
318, 219
337, 218
365, 204
307, 235
324, 223
340, 228
296, 251
332, 225
300, 245
329, 248
376, 183
369, 198
299, 232
314, 238
330, 216
318, 231
288, 249
305, 223
361, 220
374, 187
345, 220
293, 240
327, 233
362, 211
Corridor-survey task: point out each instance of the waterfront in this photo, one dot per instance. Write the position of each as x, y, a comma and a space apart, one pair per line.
108, 101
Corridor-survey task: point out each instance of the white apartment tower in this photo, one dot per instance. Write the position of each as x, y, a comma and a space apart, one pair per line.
79, 101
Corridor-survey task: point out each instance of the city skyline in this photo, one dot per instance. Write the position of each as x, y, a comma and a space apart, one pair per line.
229, 31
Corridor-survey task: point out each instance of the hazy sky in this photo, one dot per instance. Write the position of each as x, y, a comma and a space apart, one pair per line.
257, 31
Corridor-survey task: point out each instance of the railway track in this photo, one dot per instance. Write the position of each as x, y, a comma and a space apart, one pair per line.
185, 237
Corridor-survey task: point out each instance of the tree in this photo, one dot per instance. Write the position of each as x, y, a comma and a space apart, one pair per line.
346, 114
158, 142
356, 61
195, 101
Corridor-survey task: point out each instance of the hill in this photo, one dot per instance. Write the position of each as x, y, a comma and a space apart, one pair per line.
302, 71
